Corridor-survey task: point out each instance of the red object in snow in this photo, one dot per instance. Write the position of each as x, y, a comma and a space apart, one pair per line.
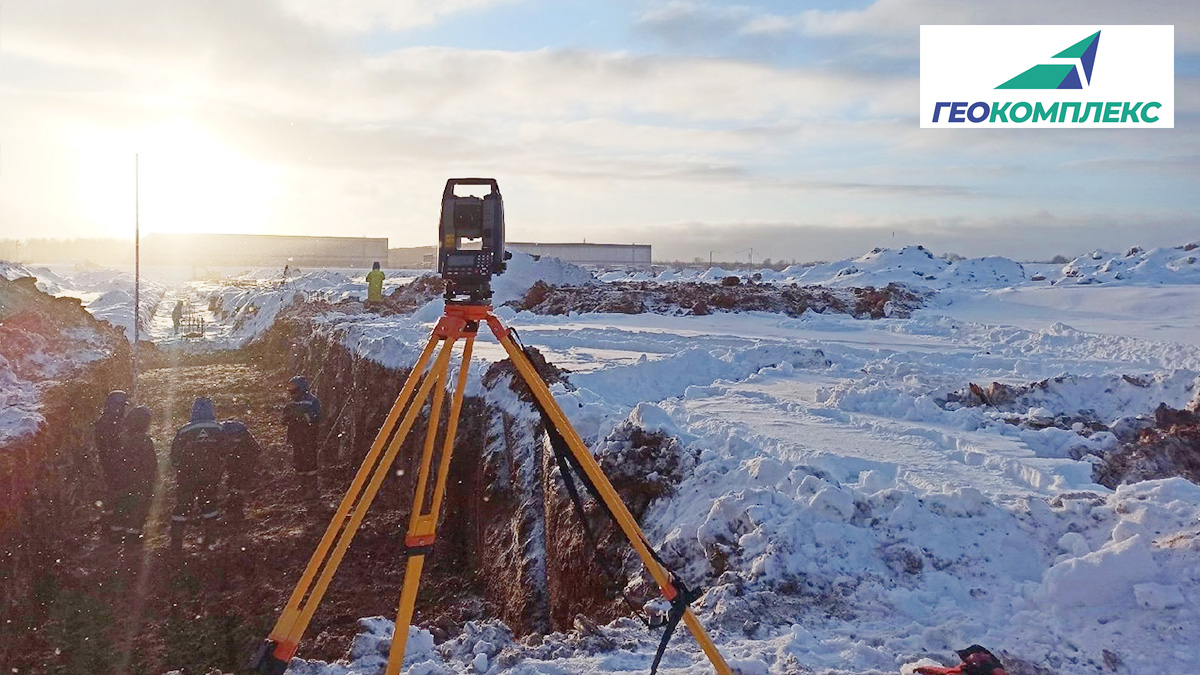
976, 661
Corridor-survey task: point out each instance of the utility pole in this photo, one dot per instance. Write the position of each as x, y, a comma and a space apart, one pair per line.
137, 276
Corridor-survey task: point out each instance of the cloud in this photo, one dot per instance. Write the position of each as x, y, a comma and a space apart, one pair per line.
171, 39
683, 22
255, 55
361, 16
898, 20
582, 138
732, 30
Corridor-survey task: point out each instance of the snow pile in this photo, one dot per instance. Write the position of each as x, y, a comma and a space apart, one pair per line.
369, 652
523, 270
115, 305
914, 265
47, 281
13, 271
983, 273
246, 310
240, 309
1108, 400
1156, 266
42, 341
881, 266
105, 292
19, 404
1128, 568
911, 265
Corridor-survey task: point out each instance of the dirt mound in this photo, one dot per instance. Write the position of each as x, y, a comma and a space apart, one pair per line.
1171, 447
695, 298
1019, 399
550, 374
412, 296
643, 465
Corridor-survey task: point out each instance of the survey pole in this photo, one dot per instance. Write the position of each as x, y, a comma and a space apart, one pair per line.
137, 277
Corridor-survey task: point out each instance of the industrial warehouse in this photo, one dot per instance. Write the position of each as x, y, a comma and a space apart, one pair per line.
264, 250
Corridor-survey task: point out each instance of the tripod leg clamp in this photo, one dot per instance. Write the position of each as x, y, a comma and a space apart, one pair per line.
417, 550
264, 660
421, 544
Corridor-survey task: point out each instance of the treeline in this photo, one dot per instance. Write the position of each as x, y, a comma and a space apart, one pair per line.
79, 251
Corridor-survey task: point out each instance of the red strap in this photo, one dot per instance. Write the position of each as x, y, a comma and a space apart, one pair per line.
939, 670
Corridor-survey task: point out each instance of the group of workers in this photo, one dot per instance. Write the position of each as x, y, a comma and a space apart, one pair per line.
204, 454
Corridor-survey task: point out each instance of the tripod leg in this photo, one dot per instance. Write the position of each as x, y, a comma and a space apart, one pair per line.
422, 526
609, 494
305, 598
435, 374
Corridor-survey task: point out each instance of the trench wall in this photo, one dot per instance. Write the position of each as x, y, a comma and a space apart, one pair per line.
49, 480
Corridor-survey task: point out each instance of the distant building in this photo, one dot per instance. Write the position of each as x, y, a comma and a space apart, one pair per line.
262, 250
417, 257
636, 255
615, 255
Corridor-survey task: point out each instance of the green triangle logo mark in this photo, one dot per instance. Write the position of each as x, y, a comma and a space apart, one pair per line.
1060, 75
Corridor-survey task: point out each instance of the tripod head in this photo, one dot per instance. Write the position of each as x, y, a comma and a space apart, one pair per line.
471, 241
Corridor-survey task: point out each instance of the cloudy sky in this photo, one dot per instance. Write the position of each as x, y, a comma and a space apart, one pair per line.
789, 128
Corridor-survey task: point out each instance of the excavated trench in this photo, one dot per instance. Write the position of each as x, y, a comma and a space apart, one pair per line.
509, 545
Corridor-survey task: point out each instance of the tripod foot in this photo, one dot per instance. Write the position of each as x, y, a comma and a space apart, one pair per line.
263, 660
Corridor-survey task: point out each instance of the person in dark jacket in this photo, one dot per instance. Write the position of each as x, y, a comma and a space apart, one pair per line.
198, 455
106, 437
140, 463
241, 461
303, 417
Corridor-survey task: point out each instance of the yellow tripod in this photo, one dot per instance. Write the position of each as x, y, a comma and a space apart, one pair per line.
460, 322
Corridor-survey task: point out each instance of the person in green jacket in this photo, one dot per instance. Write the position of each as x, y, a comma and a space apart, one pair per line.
374, 285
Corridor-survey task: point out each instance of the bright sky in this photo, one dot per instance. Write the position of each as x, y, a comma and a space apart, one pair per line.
786, 127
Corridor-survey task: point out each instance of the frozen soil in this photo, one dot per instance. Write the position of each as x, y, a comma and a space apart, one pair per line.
1164, 443
128, 606
697, 298
1169, 446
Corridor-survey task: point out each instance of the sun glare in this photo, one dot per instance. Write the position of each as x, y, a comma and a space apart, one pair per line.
189, 181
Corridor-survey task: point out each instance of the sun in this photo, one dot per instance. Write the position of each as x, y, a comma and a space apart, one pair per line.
188, 181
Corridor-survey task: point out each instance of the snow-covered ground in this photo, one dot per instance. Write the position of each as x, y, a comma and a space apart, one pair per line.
863, 519
865, 522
